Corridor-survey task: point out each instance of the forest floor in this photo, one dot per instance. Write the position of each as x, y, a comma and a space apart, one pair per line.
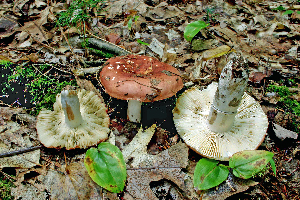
44, 48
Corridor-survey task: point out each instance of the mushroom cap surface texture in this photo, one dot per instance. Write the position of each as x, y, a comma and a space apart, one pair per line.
142, 78
54, 132
190, 118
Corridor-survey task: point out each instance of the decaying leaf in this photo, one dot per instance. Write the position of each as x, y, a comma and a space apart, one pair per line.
217, 52
16, 136
157, 47
36, 29
283, 133
70, 182
165, 165
231, 186
119, 7
27, 191
163, 11
137, 148
7, 27
148, 168
73, 183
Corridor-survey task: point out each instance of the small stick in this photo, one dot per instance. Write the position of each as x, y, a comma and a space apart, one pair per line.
20, 151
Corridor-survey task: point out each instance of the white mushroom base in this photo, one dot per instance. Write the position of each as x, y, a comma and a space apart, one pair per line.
191, 120
54, 132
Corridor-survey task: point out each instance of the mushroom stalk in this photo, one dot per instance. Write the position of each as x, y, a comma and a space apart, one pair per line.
231, 87
134, 111
71, 107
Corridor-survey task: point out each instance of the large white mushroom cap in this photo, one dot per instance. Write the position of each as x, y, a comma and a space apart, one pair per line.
191, 121
53, 131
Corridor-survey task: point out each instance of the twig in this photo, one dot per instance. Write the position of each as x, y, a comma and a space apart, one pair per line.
20, 151
71, 48
103, 44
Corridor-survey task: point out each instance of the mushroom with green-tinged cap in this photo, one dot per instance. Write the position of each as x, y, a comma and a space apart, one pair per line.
222, 119
138, 79
79, 120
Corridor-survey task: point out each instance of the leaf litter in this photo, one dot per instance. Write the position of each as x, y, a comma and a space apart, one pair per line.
265, 36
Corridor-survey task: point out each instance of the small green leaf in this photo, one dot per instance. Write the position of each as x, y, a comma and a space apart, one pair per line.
280, 8
129, 24
209, 174
288, 12
298, 12
141, 42
193, 28
247, 163
136, 18
106, 166
273, 166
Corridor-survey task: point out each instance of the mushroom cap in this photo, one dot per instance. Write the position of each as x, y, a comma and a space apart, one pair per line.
142, 78
190, 118
54, 132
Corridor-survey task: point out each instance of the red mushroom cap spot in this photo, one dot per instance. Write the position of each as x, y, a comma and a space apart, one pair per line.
143, 78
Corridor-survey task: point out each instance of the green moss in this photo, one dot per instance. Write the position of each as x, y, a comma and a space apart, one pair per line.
285, 98
35, 80
5, 188
287, 102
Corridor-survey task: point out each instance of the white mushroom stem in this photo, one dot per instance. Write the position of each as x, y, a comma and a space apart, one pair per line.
231, 87
134, 110
71, 107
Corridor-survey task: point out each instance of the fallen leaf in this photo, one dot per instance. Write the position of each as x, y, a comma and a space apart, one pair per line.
15, 136
163, 11
113, 38
157, 47
148, 168
119, 7
257, 77
7, 27
283, 133
36, 29
166, 165
137, 148
27, 191
217, 52
231, 186
70, 183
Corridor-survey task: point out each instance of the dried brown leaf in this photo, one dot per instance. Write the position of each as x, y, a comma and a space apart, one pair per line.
73, 182
166, 165
16, 135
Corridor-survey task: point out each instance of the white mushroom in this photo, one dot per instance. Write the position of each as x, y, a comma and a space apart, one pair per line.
79, 120
217, 123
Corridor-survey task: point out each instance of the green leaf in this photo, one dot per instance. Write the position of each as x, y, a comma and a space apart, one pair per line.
141, 42
106, 167
193, 28
273, 166
281, 8
209, 174
129, 24
288, 12
298, 12
247, 163
136, 18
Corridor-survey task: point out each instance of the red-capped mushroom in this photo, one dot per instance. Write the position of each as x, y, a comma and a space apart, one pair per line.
139, 79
